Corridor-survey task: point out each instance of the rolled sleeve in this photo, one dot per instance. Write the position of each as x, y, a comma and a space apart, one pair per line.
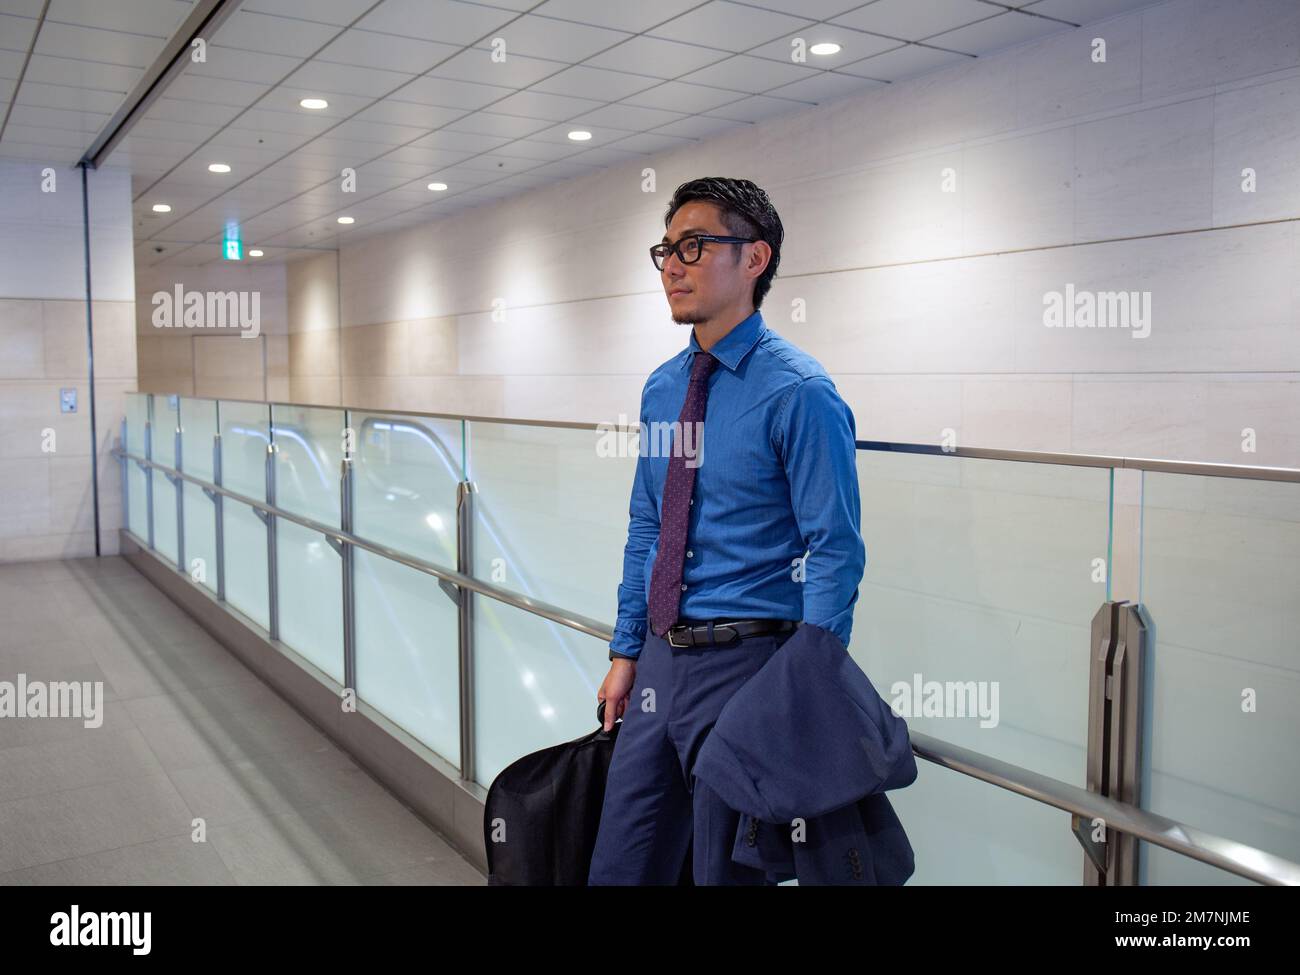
815, 437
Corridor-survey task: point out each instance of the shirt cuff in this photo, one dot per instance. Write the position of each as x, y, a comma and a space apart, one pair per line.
629, 639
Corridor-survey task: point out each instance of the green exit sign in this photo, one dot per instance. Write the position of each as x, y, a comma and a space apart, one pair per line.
232, 249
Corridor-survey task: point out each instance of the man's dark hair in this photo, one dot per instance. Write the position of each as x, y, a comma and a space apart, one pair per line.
746, 212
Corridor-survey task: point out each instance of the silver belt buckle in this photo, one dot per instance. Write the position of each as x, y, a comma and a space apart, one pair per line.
673, 643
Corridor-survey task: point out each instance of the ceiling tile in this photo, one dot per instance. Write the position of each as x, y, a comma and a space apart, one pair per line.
677, 96
558, 40
268, 34
757, 107
580, 81
698, 127
103, 46
1083, 11
220, 91
237, 65
383, 133
749, 74
911, 21
632, 118
818, 9
158, 18
187, 110
436, 20
16, 33
634, 17
425, 117
372, 50
476, 65
346, 79
22, 8
823, 87
83, 74
537, 104
447, 93
997, 32
902, 62
854, 45
490, 123
339, 12
657, 57
11, 64
731, 26
73, 99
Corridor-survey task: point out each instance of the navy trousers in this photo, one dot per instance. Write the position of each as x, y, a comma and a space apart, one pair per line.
654, 811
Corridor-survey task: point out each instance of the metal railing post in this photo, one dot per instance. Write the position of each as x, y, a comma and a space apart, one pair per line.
219, 511
126, 481
272, 555
148, 477
180, 499
1115, 695
465, 491
348, 555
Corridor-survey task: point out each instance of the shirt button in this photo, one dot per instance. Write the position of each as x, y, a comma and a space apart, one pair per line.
690, 554
692, 500
683, 587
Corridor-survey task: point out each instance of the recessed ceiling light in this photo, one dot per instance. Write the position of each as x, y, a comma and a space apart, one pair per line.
161, 208
346, 220
579, 135
825, 48
218, 168
254, 253
314, 103
437, 187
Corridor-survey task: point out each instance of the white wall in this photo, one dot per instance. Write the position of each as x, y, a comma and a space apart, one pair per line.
46, 499
215, 362
926, 306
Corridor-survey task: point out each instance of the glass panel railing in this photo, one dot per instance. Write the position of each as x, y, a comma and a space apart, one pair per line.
550, 512
198, 418
405, 471
166, 421
198, 422
535, 684
1220, 580
137, 415
137, 480
164, 515
310, 596
408, 660
550, 520
308, 459
200, 521
974, 620
245, 434
404, 475
244, 545
164, 424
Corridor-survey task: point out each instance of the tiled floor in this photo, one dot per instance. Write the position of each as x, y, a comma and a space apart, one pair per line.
188, 734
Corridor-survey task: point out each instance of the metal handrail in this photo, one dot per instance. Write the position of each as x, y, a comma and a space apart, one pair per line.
577, 621
1244, 471
1217, 851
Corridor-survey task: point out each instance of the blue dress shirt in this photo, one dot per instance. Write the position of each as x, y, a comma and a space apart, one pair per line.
775, 482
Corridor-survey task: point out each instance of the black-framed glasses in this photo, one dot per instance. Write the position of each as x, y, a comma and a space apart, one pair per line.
689, 248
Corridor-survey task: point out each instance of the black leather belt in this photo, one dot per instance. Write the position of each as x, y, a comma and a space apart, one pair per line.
724, 633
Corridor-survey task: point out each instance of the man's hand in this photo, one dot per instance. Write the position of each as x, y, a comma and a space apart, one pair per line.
617, 689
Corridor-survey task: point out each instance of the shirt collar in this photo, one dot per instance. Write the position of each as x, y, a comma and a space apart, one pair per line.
734, 346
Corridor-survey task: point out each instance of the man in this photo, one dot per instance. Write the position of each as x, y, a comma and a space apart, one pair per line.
729, 548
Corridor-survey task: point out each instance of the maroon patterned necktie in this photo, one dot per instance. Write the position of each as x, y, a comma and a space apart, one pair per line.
666, 577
